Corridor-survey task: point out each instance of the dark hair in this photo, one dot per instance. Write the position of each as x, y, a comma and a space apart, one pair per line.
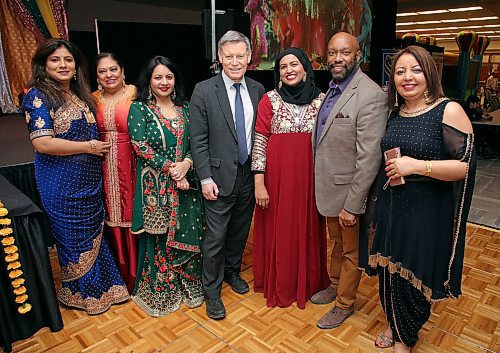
49, 87
472, 99
426, 62
143, 83
108, 55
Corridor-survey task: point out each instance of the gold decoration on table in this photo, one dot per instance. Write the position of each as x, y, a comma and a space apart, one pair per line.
13, 265
7, 241
18, 282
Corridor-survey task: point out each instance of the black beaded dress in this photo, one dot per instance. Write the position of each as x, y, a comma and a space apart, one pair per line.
420, 226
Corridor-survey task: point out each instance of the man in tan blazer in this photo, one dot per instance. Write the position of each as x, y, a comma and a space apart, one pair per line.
347, 156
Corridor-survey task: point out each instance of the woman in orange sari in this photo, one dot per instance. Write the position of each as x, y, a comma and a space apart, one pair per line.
113, 101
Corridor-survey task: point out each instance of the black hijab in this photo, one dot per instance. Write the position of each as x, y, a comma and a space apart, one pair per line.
304, 92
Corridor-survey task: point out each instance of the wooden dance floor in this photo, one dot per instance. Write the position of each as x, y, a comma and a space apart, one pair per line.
471, 324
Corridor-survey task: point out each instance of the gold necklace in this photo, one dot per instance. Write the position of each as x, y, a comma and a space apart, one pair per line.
413, 112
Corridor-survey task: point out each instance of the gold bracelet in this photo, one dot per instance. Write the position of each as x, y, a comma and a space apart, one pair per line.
189, 160
92, 145
428, 168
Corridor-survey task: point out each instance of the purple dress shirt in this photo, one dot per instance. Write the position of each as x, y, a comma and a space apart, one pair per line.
330, 100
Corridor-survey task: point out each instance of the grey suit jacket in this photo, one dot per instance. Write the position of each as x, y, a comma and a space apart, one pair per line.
347, 155
214, 145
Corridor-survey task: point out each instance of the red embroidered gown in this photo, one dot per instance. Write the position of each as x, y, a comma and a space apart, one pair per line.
289, 253
118, 169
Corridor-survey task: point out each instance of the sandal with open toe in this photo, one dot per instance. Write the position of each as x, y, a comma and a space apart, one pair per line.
385, 342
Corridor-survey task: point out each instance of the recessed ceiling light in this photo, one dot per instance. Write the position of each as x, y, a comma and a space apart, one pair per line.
455, 20
405, 24
431, 12
483, 18
426, 22
407, 14
472, 8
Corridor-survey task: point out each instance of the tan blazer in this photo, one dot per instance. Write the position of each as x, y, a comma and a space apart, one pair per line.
347, 155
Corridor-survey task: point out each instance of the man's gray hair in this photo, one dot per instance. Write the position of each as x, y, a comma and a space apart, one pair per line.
234, 36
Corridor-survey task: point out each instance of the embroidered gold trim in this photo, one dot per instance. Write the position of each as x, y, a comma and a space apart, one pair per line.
93, 306
86, 260
458, 221
385, 261
40, 133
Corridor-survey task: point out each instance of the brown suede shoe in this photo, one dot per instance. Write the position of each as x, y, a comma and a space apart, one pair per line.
334, 318
326, 296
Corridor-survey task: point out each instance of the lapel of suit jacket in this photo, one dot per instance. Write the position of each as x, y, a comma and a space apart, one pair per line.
254, 97
221, 94
343, 99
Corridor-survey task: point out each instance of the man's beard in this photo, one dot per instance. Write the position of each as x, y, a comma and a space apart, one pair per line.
348, 70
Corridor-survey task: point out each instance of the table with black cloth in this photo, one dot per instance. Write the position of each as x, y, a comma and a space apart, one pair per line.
28, 231
22, 176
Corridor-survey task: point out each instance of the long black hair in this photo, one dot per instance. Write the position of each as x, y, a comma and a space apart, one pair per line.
50, 88
143, 84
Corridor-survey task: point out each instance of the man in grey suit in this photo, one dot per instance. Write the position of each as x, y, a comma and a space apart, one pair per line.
347, 157
222, 118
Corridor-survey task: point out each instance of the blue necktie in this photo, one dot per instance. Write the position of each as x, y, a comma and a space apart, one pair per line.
240, 126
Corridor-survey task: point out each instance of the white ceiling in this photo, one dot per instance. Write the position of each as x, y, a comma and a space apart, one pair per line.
444, 26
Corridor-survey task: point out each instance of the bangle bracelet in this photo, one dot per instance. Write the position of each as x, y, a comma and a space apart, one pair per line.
428, 168
92, 145
188, 160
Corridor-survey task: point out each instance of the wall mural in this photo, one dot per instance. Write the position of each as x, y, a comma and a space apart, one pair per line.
307, 24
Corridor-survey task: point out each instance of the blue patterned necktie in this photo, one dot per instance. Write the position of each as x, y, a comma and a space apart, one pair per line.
240, 126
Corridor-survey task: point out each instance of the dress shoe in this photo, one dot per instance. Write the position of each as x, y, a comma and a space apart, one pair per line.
334, 318
215, 308
237, 283
325, 296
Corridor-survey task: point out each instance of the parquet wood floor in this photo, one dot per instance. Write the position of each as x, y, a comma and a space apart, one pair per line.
470, 324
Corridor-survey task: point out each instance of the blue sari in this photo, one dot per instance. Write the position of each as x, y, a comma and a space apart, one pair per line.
71, 192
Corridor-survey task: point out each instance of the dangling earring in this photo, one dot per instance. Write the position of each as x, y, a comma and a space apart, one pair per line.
396, 103
173, 95
304, 78
123, 81
280, 84
99, 86
74, 76
426, 97
150, 94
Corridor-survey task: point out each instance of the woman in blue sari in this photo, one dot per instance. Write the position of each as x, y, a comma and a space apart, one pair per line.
59, 112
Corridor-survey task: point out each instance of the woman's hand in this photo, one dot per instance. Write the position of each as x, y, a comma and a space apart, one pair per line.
183, 184
99, 148
403, 166
178, 170
261, 196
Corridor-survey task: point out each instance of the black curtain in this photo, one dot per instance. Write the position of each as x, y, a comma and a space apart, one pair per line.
135, 43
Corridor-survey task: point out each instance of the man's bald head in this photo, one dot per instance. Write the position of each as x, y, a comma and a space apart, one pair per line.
346, 39
343, 56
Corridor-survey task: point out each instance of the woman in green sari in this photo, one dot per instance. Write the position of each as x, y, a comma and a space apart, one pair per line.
167, 205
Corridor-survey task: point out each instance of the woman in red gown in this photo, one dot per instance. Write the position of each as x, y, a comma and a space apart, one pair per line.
289, 257
113, 100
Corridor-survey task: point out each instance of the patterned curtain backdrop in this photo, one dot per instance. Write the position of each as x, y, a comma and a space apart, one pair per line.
48, 17
19, 45
58, 8
6, 101
28, 12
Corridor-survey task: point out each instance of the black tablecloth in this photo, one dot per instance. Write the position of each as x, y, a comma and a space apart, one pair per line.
22, 176
27, 223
